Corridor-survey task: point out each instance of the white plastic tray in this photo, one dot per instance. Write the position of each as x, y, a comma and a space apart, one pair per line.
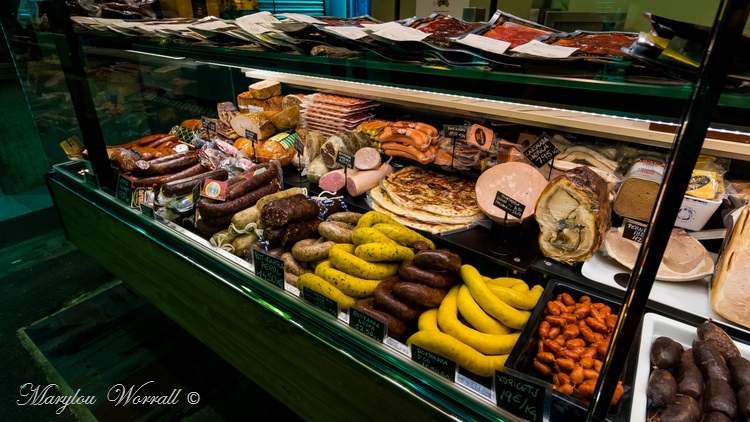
654, 326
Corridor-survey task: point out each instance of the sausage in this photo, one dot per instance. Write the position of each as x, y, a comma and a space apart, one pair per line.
184, 186
683, 409
689, 377
385, 301
396, 327
438, 259
396, 149
740, 368
349, 217
420, 245
437, 279
329, 207
151, 181
709, 361
291, 265
662, 388
274, 236
710, 331
310, 250
213, 209
419, 294
300, 230
288, 210
336, 231
430, 130
207, 230
251, 181
405, 135
718, 396
743, 401
165, 165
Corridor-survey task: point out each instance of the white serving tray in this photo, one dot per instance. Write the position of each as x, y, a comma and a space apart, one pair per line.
654, 326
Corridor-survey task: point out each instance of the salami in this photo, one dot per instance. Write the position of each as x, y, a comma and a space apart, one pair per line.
289, 210
166, 178
301, 230
184, 186
164, 165
216, 209
252, 181
274, 236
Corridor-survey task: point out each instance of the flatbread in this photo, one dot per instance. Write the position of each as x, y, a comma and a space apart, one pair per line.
415, 188
417, 225
379, 196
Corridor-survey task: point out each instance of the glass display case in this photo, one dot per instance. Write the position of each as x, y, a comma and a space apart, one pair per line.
128, 83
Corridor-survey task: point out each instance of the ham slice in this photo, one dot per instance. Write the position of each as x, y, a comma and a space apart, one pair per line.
729, 294
367, 159
684, 258
520, 181
360, 182
574, 214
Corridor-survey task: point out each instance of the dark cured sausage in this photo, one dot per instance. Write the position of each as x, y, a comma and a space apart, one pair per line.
251, 182
396, 327
385, 301
438, 279
439, 259
186, 185
205, 229
289, 210
165, 165
274, 236
419, 294
295, 232
217, 209
166, 178
329, 207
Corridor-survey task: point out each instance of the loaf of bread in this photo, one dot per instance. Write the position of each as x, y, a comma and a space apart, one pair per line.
729, 290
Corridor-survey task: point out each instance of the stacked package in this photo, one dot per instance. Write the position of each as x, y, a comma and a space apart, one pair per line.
329, 114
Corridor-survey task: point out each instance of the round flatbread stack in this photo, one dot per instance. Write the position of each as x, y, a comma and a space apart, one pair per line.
426, 200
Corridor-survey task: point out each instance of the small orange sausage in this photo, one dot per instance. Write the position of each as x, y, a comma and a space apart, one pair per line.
542, 368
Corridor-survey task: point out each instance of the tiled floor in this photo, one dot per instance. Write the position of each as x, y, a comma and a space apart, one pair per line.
24, 203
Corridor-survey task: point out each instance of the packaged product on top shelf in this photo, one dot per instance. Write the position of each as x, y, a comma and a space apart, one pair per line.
328, 114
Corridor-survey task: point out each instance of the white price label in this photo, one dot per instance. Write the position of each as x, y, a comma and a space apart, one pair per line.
303, 18
260, 17
537, 48
350, 32
484, 43
212, 25
252, 28
291, 289
475, 387
401, 33
400, 347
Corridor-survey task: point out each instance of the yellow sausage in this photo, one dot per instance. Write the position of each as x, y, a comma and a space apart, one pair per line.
349, 285
448, 347
374, 217
317, 284
476, 316
342, 258
498, 362
505, 313
364, 235
402, 234
428, 320
508, 282
378, 252
515, 298
489, 344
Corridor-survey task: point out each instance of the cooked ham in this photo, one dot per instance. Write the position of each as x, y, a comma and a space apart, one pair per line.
520, 181
729, 293
573, 213
684, 258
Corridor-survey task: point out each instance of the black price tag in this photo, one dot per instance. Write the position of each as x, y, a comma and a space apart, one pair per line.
321, 302
456, 131
148, 211
633, 231
269, 268
444, 367
509, 205
523, 398
124, 190
299, 146
252, 136
91, 179
345, 159
197, 192
368, 326
541, 151
208, 124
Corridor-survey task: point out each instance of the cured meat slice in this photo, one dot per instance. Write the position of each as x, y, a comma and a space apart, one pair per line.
684, 258
520, 181
367, 159
574, 214
729, 294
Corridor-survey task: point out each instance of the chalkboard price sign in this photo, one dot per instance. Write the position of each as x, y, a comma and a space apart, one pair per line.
541, 151
321, 302
509, 205
521, 397
208, 124
368, 326
269, 268
633, 231
345, 159
455, 131
299, 146
124, 190
91, 179
252, 136
444, 367
148, 211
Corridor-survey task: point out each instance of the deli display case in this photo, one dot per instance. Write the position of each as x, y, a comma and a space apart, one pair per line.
324, 356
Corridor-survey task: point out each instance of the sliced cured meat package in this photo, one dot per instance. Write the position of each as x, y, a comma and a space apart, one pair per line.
515, 34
